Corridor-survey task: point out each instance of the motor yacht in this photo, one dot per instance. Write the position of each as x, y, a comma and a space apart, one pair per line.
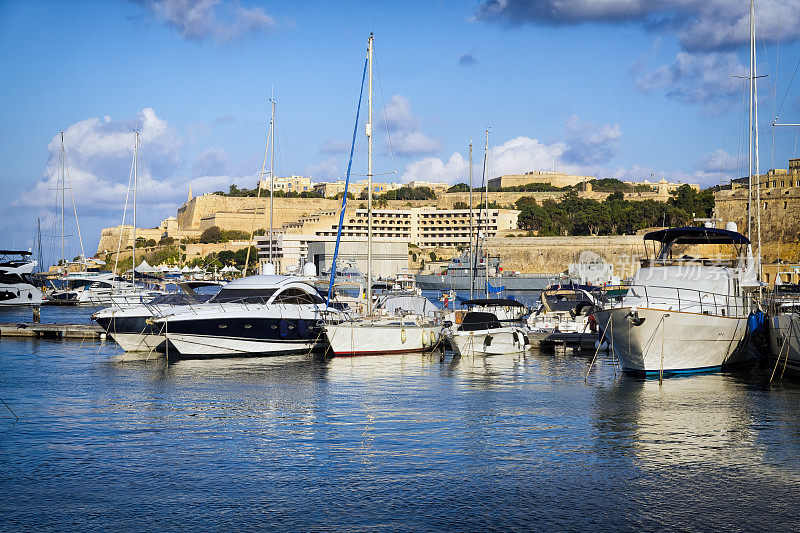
687, 308
100, 289
256, 315
132, 327
16, 284
489, 326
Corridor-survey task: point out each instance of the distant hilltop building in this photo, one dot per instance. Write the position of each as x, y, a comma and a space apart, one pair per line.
288, 184
560, 179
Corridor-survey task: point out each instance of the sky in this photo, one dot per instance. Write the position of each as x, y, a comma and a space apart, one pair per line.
632, 89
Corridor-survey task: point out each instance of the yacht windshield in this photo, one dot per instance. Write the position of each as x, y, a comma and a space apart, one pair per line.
723, 254
243, 295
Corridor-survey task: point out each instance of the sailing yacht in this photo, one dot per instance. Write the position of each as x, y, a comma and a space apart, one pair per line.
686, 309
16, 284
404, 331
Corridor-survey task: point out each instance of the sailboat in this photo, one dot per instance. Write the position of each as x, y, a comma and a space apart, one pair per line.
490, 326
400, 331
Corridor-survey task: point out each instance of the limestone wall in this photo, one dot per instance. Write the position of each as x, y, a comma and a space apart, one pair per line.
554, 254
192, 212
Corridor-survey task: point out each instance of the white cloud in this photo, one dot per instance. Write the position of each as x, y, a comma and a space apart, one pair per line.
200, 20
405, 136
586, 146
589, 143
703, 78
211, 161
327, 169
411, 143
399, 116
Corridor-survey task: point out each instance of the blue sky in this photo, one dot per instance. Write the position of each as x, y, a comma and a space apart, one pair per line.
622, 88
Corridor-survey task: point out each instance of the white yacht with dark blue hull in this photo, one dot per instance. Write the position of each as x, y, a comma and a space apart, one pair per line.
16, 284
687, 309
256, 315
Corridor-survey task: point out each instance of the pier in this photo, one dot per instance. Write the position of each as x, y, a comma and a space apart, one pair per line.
52, 331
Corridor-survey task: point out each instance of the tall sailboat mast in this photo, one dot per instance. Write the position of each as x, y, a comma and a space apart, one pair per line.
369, 181
486, 211
471, 256
135, 188
271, 172
63, 196
750, 125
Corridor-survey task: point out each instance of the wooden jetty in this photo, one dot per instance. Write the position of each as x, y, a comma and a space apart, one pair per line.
52, 331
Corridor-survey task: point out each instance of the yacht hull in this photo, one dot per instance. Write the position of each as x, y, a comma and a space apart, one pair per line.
672, 341
351, 339
201, 346
137, 342
496, 341
20, 294
784, 341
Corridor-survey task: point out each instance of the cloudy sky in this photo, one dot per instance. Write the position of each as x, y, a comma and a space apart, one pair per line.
612, 88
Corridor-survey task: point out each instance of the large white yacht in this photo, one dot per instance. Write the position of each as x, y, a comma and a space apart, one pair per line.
100, 289
16, 285
686, 310
131, 326
256, 315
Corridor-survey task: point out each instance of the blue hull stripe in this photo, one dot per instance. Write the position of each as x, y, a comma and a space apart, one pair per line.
673, 371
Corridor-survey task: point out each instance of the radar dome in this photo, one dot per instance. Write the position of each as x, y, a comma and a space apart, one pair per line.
267, 269
309, 270
731, 226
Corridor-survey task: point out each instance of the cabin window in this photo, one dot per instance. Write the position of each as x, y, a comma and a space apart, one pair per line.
243, 295
297, 296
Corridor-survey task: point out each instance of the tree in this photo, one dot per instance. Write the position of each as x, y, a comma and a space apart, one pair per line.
433, 256
459, 187
212, 234
460, 205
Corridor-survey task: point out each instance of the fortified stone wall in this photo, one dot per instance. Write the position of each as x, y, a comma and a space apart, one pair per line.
554, 254
192, 212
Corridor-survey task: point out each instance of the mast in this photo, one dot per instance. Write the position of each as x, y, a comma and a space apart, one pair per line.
63, 191
754, 100
369, 181
486, 212
135, 185
471, 258
750, 129
271, 171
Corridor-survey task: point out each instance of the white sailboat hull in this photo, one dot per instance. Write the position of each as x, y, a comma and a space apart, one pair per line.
673, 341
365, 338
496, 341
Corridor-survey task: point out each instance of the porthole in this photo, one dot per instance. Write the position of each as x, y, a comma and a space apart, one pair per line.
247, 326
223, 326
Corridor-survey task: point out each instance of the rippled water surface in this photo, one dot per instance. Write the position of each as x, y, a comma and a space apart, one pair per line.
386, 443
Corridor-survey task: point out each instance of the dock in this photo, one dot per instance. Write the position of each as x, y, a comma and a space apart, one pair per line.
52, 331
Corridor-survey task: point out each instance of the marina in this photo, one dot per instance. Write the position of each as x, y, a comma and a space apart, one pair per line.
389, 267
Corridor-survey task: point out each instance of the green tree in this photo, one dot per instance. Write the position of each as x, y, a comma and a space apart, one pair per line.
461, 205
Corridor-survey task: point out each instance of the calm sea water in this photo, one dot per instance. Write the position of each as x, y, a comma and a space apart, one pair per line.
408, 442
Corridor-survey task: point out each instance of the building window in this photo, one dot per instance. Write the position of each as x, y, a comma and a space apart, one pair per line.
785, 205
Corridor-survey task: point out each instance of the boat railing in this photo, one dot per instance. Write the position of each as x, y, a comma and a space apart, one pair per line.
680, 299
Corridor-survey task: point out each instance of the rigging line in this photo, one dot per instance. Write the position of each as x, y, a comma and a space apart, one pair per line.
727, 113
775, 88
281, 133
788, 87
74, 208
255, 207
122, 226
385, 119
346, 183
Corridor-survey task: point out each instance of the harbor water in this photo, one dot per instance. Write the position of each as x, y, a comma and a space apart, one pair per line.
411, 442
